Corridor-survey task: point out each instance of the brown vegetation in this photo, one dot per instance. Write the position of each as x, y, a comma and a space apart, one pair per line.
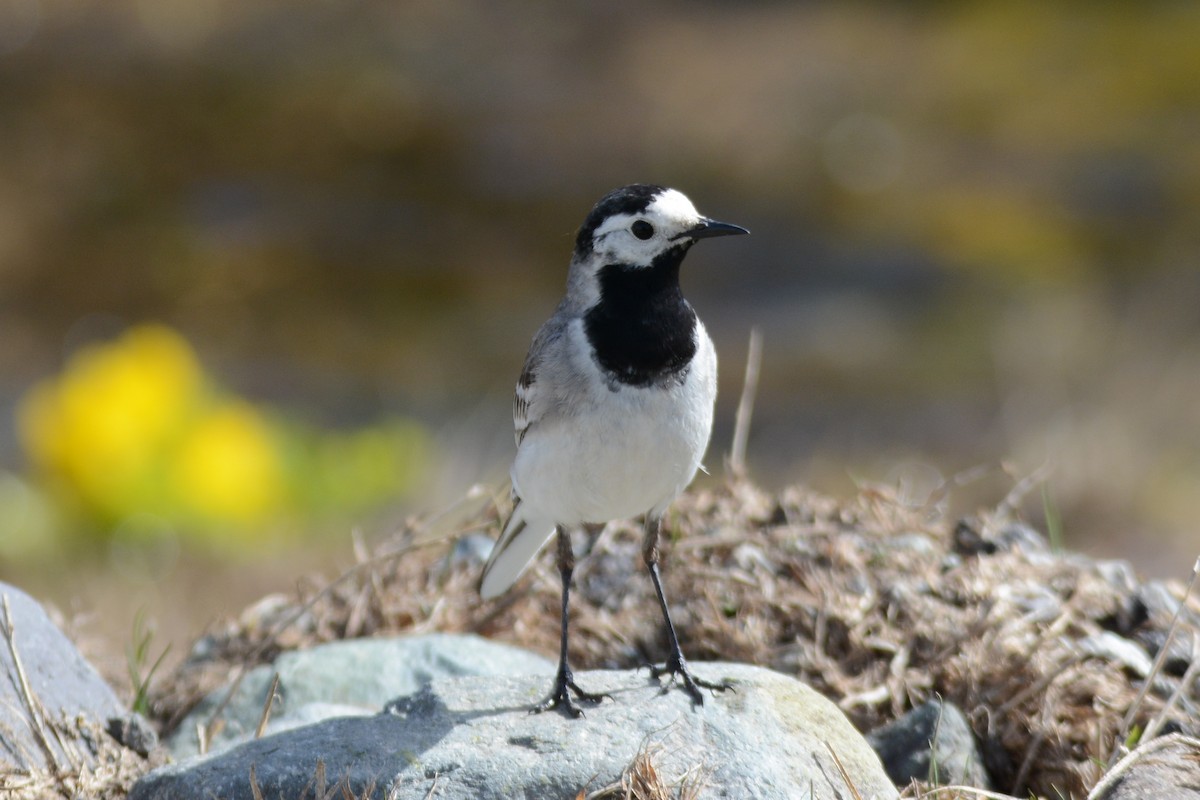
874, 603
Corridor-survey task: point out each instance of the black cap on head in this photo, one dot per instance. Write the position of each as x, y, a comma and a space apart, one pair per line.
632, 199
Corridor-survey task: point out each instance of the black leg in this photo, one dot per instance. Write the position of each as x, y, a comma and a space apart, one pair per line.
564, 681
676, 666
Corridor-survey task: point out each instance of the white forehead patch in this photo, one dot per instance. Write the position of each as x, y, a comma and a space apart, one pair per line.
673, 206
671, 211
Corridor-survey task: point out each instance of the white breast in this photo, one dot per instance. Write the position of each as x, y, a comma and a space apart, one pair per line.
617, 454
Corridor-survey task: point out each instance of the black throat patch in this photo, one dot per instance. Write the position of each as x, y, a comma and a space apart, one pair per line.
643, 331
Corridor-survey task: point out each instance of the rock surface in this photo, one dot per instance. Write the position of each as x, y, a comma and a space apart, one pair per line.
473, 737
358, 676
932, 743
1166, 768
63, 687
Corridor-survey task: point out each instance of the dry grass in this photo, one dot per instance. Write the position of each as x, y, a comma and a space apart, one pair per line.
876, 604
641, 780
87, 763
75, 758
106, 773
319, 787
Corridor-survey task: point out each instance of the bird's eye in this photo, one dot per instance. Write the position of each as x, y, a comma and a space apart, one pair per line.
642, 229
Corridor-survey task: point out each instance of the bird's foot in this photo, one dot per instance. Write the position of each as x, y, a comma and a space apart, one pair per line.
678, 670
560, 696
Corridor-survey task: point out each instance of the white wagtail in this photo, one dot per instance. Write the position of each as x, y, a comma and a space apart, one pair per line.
614, 405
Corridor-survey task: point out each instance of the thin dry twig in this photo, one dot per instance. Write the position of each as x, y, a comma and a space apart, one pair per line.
432, 786
745, 407
842, 770
1012, 501
1031, 752
1181, 690
955, 481
272, 694
254, 788
33, 707
984, 793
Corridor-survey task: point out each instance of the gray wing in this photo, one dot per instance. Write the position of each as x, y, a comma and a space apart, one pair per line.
533, 396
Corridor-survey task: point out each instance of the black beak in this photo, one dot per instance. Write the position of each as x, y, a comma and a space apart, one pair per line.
708, 228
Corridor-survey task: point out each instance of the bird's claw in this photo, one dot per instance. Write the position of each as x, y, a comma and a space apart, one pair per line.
560, 697
677, 668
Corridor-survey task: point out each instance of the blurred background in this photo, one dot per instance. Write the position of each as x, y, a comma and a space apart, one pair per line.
268, 269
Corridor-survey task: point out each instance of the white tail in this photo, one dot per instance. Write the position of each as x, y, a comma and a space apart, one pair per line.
520, 542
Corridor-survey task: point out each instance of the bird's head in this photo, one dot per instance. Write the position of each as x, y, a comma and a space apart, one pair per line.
636, 224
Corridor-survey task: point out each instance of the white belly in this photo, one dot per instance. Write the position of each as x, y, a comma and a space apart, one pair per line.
621, 454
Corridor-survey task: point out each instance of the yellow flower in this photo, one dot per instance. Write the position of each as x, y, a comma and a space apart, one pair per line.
133, 429
229, 468
104, 423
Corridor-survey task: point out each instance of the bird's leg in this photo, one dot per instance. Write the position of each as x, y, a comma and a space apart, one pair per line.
593, 531
564, 681
676, 666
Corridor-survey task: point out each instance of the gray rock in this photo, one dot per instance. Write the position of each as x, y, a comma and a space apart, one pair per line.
311, 713
972, 538
1182, 649
340, 678
1038, 604
62, 683
1161, 604
134, 732
931, 743
472, 550
1167, 768
917, 543
474, 737
1019, 535
1117, 650
1120, 575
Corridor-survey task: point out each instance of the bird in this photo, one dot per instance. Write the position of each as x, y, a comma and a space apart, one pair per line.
613, 408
